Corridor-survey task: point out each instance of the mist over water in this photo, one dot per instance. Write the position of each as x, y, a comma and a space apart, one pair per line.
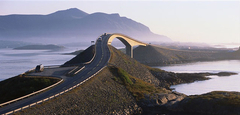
15, 62
229, 45
226, 83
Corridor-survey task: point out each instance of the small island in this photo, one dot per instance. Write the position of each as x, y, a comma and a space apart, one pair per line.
40, 47
127, 86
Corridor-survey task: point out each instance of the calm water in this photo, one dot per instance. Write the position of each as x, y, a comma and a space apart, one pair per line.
15, 62
229, 83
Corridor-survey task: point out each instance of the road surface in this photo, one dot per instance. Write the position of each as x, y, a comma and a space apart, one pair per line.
101, 59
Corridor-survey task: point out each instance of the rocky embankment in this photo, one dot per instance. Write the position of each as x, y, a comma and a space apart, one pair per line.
124, 87
156, 55
216, 102
236, 54
82, 57
19, 86
174, 103
170, 78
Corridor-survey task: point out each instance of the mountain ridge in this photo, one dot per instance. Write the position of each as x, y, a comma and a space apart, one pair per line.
71, 24
73, 12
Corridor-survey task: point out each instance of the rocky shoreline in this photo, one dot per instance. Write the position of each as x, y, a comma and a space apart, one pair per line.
129, 87
175, 103
152, 55
166, 102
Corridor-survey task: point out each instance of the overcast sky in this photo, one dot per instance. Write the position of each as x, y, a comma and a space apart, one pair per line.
185, 21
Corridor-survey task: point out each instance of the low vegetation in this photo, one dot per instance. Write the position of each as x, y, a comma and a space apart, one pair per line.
112, 91
216, 102
170, 78
99, 95
156, 55
136, 86
126, 85
131, 66
18, 86
223, 98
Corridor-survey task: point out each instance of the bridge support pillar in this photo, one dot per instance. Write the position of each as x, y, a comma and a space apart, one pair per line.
129, 50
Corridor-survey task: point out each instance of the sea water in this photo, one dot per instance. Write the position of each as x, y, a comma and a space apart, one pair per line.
15, 62
216, 83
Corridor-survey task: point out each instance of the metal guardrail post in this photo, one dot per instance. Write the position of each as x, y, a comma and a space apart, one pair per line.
30, 105
14, 100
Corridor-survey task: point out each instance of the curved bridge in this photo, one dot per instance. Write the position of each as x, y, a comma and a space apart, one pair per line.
98, 63
127, 41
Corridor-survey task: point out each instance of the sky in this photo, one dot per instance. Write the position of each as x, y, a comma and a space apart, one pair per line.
185, 21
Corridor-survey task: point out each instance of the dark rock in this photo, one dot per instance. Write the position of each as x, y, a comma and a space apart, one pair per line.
156, 55
217, 102
226, 73
85, 56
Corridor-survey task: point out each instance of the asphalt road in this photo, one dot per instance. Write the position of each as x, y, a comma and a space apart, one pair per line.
101, 59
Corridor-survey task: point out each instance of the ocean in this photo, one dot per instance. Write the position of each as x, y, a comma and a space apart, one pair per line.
15, 62
226, 83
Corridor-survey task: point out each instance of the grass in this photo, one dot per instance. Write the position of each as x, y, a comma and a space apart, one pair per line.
154, 69
136, 86
124, 77
221, 98
18, 86
99, 95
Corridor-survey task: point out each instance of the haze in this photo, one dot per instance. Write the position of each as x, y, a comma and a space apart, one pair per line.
184, 21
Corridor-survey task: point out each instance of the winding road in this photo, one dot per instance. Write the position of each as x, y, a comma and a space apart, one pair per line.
100, 60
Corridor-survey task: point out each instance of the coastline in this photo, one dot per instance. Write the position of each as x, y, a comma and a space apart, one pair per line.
160, 98
176, 103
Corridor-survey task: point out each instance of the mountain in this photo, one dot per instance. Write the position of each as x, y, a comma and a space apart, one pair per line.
71, 25
68, 14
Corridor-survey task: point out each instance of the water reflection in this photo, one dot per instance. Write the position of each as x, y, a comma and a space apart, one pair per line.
229, 83
15, 62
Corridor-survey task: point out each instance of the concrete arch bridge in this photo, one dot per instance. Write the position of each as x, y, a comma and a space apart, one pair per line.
127, 41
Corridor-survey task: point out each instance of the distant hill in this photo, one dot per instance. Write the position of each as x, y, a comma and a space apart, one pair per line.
71, 24
12, 44
156, 55
236, 54
40, 47
127, 87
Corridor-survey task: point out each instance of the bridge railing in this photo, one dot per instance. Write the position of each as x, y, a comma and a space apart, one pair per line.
130, 38
53, 96
20, 98
58, 94
94, 53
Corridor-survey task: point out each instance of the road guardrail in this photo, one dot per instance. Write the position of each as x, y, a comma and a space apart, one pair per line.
14, 100
53, 96
61, 93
